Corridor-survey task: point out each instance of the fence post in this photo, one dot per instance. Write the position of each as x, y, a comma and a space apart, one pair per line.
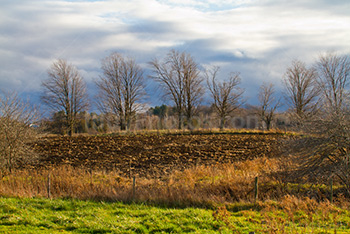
133, 188
48, 186
256, 187
90, 170
130, 168
331, 185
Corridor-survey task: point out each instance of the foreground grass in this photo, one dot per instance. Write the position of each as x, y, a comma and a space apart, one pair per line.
38, 215
65, 216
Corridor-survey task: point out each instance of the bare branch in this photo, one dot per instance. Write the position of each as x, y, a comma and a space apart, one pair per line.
180, 79
65, 90
16, 117
120, 89
268, 103
301, 91
333, 78
325, 151
226, 95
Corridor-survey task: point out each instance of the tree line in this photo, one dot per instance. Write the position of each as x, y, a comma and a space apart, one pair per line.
121, 89
309, 91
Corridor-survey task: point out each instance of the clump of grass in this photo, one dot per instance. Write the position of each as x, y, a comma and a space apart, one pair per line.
302, 216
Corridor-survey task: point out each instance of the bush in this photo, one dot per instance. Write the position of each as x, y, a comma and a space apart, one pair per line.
16, 120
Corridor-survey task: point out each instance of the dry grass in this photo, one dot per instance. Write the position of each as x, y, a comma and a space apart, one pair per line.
200, 185
303, 215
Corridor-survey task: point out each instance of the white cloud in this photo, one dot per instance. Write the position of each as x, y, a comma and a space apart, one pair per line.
258, 38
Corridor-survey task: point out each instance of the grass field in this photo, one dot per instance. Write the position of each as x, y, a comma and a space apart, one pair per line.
76, 216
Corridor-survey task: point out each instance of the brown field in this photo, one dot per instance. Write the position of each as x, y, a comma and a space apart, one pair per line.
155, 155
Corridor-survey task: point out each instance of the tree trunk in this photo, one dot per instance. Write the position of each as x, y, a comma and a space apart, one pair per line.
122, 126
70, 125
222, 123
72, 128
180, 120
189, 124
122, 123
128, 124
268, 125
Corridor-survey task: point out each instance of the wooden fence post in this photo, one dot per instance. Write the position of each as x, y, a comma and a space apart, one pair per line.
256, 187
91, 183
331, 185
130, 168
133, 188
48, 186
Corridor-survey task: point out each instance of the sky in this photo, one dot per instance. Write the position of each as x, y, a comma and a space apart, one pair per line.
258, 38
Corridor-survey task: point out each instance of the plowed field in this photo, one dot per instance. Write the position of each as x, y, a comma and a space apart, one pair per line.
155, 155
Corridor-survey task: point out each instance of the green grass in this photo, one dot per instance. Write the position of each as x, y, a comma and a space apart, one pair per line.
75, 216
39, 215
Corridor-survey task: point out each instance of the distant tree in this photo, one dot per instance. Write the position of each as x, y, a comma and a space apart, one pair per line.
65, 90
161, 112
57, 123
301, 90
333, 78
16, 118
226, 95
120, 89
179, 76
81, 126
105, 126
268, 104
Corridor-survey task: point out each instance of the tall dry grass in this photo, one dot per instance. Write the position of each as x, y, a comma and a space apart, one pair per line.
200, 185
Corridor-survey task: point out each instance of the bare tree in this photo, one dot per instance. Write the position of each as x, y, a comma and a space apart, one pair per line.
325, 152
226, 95
333, 77
16, 117
193, 85
301, 90
120, 89
179, 76
65, 90
268, 104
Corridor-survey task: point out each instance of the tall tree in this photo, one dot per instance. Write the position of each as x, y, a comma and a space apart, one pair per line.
180, 78
333, 78
226, 95
120, 89
65, 90
193, 86
268, 103
301, 90
325, 152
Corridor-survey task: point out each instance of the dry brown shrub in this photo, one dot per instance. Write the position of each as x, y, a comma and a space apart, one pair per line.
16, 117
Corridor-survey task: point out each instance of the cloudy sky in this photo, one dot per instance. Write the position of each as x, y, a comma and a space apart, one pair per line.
259, 39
